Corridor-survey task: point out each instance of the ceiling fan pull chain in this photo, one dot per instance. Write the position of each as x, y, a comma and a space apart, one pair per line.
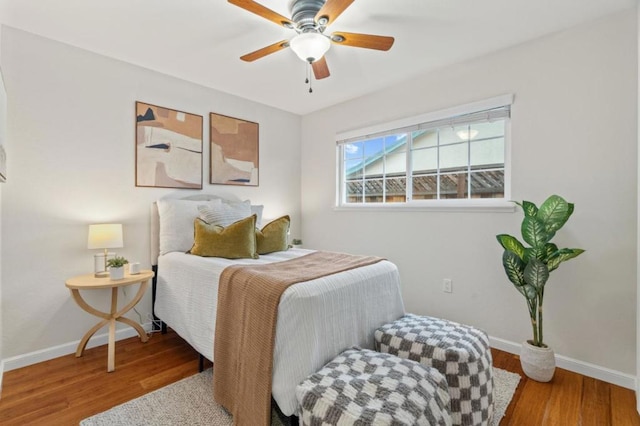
306, 70
309, 78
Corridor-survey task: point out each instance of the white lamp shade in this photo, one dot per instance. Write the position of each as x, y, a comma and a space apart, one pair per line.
310, 46
105, 236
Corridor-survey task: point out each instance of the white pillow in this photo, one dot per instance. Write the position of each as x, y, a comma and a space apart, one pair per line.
257, 210
224, 214
176, 223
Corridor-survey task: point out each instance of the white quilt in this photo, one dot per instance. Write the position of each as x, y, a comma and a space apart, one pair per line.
317, 319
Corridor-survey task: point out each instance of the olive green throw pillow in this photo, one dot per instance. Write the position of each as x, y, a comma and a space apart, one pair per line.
273, 237
236, 241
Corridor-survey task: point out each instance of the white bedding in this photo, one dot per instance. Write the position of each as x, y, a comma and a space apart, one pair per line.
317, 319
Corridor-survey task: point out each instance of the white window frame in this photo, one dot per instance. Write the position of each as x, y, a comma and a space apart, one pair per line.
462, 204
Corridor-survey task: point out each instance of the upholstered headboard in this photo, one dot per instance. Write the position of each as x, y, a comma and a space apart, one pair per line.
155, 221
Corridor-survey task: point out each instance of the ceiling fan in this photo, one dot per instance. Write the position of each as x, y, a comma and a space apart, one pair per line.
310, 18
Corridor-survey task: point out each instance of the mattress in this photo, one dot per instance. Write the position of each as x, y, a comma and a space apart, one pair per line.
317, 319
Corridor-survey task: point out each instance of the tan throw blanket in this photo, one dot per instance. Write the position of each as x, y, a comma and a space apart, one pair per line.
248, 299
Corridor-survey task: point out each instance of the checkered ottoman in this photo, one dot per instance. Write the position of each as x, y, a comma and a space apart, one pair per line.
363, 387
458, 351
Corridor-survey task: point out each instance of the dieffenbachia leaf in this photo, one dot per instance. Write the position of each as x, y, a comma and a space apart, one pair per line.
562, 255
531, 252
549, 250
511, 243
529, 292
536, 273
528, 208
554, 213
533, 231
514, 267
542, 253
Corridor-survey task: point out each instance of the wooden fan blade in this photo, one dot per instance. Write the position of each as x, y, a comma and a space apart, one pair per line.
331, 10
260, 53
320, 69
265, 12
367, 41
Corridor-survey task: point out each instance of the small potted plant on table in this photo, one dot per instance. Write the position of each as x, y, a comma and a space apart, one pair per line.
116, 267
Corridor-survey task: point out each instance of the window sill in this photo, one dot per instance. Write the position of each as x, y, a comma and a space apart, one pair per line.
462, 206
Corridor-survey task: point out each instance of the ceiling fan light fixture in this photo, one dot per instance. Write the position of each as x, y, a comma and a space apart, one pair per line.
310, 46
466, 134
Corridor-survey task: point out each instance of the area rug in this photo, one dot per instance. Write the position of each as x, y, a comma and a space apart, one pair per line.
190, 402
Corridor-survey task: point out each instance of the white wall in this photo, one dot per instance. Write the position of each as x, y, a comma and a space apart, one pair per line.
573, 133
71, 123
638, 242
3, 140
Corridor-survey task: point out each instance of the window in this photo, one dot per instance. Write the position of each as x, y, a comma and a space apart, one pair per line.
460, 156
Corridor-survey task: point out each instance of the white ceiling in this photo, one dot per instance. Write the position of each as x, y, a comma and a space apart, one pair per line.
201, 40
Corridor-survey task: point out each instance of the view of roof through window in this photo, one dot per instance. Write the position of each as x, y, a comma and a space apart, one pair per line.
461, 162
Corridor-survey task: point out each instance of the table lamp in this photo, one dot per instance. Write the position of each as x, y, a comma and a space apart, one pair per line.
104, 236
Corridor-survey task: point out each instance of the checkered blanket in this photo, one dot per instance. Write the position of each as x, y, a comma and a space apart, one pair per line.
363, 387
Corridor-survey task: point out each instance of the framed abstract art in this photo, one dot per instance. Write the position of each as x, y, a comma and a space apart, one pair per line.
234, 151
168, 147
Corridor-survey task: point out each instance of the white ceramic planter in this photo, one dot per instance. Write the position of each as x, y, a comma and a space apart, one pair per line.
116, 273
537, 363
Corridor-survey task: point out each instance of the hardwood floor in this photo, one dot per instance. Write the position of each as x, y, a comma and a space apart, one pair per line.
66, 390
569, 399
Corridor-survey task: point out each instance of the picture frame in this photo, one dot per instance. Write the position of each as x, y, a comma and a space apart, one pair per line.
168, 145
234, 151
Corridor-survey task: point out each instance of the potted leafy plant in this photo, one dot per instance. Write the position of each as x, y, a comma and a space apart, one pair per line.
528, 268
116, 267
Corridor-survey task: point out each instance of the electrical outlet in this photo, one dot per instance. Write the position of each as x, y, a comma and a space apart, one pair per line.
447, 285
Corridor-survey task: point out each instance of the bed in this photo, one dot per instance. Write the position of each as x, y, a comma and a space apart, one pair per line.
317, 319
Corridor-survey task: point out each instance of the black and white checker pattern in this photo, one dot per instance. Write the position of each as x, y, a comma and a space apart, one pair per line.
364, 387
461, 353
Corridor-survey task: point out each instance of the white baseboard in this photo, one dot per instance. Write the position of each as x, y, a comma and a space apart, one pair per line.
66, 349
586, 369
638, 396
